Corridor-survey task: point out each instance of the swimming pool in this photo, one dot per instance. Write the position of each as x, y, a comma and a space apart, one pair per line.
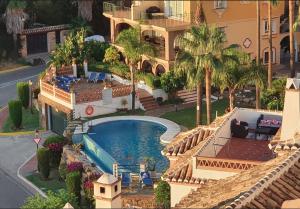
126, 142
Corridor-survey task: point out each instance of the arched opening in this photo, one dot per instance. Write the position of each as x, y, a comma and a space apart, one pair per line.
122, 26
157, 40
160, 69
146, 67
285, 50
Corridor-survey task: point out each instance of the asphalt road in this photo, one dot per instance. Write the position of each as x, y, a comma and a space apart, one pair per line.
8, 81
14, 150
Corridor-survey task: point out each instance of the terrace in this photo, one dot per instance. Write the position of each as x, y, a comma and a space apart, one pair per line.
140, 14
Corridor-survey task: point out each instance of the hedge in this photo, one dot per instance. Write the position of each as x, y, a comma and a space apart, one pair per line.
15, 112
55, 145
43, 157
73, 182
23, 93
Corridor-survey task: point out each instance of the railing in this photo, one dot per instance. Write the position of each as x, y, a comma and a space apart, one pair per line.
55, 92
116, 10
120, 91
225, 164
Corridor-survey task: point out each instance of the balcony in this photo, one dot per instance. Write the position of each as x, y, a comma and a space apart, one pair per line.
138, 15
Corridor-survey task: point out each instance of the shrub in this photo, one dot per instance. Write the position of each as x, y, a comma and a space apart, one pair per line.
15, 112
274, 98
162, 194
73, 181
97, 50
55, 145
120, 70
159, 100
170, 82
62, 169
111, 56
53, 200
74, 166
43, 156
23, 93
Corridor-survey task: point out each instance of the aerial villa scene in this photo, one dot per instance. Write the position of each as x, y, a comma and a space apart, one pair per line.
149, 104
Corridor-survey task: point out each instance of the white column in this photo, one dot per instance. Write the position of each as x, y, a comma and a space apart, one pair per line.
85, 68
74, 66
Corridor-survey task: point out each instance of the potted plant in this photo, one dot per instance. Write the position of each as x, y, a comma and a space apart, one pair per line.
124, 103
151, 166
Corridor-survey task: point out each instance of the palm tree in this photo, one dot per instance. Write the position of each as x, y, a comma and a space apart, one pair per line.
207, 45
15, 18
133, 49
292, 48
270, 4
256, 75
85, 9
232, 75
188, 65
258, 59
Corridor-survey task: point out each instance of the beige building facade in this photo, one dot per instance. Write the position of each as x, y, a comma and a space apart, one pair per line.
162, 21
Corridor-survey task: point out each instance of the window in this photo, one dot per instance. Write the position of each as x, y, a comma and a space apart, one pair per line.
220, 4
102, 190
266, 56
266, 26
174, 9
116, 188
244, 2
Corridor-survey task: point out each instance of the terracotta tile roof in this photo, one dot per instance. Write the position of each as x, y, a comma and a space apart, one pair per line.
44, 29
187, 141
246, 149
265, 186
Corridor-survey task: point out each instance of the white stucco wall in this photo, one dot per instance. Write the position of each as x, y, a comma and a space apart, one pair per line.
178, 191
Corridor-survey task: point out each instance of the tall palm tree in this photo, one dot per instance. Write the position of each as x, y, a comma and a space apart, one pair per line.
187, 64
292, 48
256, 75
258, 59
231, 76
15, 18
270, 5
85, 9
207, 44
133, 49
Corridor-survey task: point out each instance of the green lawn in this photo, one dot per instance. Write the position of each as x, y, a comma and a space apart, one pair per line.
52, 184
30, 122
187, 117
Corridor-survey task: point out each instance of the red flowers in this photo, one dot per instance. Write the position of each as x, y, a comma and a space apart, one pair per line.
55, 147
74, 166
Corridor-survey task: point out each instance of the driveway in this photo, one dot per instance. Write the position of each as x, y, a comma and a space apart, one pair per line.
14, 151
8, 81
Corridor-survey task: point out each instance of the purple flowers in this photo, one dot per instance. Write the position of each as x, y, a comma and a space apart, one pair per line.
74, 166
88, 185
55, 147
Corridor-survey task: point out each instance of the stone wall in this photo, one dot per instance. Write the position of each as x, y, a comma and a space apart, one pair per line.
71, 155
138, 201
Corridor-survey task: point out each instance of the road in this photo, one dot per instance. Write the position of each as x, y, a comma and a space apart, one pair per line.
8, 81
14, 150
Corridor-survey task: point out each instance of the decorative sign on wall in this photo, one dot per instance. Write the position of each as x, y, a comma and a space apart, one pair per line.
247, 43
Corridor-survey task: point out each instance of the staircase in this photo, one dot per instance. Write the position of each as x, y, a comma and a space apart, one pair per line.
72, 124
189, 200
187, 96
149, 103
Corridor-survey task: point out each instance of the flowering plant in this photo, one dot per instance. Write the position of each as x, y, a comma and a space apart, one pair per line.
55, 147
74, 166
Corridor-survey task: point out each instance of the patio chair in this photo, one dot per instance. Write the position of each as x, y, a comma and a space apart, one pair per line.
100, 77
92, 77
126, 179
145, 179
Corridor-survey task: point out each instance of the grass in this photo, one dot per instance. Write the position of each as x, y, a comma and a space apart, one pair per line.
53, 184
187, 117
30, 122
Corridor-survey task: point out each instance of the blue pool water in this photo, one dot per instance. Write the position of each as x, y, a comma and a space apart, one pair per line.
127, 142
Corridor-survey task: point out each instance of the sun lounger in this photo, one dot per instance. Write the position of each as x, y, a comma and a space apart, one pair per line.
100, 77
145, 179
92, 77
126, 179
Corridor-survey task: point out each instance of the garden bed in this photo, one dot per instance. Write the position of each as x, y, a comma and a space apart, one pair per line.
187, 117
30, 122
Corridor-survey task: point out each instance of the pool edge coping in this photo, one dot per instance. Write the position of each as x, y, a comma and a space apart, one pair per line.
172, 128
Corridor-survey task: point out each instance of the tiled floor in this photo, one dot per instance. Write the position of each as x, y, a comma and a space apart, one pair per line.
246, 149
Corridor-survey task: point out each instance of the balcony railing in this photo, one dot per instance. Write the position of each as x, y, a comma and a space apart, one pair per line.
115, 10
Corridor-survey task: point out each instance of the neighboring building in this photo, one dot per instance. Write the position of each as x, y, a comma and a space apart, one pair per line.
162, 21
210, 167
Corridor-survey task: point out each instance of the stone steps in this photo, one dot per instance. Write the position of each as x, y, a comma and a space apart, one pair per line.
149, 103
188, 96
